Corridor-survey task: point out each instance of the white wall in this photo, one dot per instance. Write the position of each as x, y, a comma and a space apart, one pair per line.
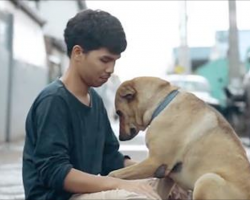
29, 74
4, 62
28, 41
63, 59
57, 13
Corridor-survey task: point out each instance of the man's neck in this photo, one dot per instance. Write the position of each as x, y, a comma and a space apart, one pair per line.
76, 86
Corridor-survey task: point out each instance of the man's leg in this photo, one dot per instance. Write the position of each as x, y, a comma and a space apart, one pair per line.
168, 190
164, 187
111, 194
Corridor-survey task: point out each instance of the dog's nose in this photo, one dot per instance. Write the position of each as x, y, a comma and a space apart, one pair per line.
132, 132
124, 136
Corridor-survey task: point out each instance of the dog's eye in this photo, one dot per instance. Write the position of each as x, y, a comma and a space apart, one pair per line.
119, 113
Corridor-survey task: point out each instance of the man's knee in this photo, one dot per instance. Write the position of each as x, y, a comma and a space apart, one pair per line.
110, 194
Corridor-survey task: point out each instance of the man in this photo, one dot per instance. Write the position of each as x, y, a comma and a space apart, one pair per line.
69, 145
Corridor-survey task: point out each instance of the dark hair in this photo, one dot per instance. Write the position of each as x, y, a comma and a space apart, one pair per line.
94, 29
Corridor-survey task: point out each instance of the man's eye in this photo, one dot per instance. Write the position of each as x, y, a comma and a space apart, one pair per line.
104, 60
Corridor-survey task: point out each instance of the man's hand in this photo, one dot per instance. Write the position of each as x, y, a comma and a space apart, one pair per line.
142, 186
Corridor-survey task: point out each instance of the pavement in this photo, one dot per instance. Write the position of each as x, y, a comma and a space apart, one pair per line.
11, 187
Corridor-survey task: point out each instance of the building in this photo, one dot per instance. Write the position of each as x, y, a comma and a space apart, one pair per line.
56, 14
23, 65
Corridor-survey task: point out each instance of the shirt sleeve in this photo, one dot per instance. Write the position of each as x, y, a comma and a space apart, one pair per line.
112, 158
51, 154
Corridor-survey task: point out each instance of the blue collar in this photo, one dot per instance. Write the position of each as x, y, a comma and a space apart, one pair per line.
164, 103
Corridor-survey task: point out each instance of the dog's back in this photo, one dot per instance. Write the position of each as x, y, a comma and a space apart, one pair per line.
206, 144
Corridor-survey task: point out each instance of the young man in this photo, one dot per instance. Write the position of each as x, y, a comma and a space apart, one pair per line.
69, 141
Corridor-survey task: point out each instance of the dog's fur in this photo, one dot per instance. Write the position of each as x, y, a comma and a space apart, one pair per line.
189, 141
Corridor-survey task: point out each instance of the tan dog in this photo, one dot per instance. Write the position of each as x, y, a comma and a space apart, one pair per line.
188, 141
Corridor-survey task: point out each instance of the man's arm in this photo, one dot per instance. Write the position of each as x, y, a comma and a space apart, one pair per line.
51, 151
112, 158
128, 161
80, 182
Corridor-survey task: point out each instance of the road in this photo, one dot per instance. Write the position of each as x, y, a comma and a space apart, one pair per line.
10, 171
11, 158
11, 164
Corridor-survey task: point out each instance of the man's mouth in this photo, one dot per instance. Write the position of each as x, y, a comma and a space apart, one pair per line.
104, 77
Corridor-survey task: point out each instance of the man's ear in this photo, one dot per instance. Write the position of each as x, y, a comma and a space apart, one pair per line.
77, 52
127, 92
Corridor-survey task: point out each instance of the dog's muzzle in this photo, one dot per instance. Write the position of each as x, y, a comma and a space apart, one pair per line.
124, 137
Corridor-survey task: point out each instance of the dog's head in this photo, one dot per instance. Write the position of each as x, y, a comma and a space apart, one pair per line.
135, 102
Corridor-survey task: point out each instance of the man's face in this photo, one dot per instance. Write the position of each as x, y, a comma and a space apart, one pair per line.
96, 67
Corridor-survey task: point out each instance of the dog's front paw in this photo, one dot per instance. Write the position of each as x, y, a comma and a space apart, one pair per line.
113, 174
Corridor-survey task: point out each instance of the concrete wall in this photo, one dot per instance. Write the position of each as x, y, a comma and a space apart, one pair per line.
4, 63
28, 36
28, 81
56, 23
63, 59
29, 71
57, 13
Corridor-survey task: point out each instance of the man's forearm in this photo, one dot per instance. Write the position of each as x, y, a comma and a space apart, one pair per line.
128, 162
81, 182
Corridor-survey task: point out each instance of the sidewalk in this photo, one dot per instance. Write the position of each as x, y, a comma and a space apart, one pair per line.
11, 187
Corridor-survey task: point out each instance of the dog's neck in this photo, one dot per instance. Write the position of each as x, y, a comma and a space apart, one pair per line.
166, 101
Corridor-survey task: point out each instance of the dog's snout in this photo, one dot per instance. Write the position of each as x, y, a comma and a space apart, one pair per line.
133, 132
124, 136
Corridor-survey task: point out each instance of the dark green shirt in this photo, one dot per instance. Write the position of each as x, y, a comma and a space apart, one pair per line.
62, 133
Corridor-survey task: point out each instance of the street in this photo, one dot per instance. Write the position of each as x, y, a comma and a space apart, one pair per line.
10, 171
11, 164
11, 158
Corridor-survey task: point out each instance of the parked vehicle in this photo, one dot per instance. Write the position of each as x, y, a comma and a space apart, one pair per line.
235, 111
196, 84
246, 86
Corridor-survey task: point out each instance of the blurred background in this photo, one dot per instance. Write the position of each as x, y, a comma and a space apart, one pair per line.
201, 46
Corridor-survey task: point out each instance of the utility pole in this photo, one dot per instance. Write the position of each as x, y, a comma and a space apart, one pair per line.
183, 54
233, 50
81, 4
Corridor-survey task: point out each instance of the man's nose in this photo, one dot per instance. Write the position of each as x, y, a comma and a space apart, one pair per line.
110, 68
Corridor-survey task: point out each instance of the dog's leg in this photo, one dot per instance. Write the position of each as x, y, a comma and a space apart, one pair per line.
164, 187
144, 169
211, 186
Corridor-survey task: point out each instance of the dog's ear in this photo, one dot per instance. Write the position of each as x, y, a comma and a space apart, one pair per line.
127, 92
